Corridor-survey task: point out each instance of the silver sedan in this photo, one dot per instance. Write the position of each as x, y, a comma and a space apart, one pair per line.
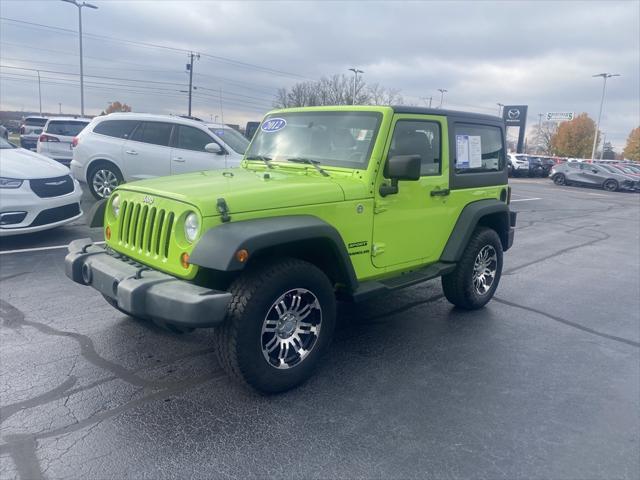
592, 175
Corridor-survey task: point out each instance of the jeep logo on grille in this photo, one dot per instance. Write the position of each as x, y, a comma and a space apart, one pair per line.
148, 200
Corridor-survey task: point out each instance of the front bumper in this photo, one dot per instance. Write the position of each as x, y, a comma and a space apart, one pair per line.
41, 213
144, 292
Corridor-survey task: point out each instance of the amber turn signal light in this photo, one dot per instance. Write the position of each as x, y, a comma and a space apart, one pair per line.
184, 260
242, 255
107, 232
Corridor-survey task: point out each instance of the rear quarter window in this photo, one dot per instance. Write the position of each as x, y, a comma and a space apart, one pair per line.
479, 148
116, 128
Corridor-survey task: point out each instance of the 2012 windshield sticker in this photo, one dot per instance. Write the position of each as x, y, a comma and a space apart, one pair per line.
273, 125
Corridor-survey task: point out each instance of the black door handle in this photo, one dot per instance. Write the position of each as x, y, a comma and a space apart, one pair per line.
440, 193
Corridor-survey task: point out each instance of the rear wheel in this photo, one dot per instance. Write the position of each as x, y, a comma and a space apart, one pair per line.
103, 178
279, 324
610, 185
474, 281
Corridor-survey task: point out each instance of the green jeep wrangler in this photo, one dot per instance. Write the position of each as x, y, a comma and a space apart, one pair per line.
329, 203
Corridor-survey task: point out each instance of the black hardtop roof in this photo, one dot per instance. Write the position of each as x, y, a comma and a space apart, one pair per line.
448, 113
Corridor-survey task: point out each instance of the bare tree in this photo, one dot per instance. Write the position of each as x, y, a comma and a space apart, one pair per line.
335, 90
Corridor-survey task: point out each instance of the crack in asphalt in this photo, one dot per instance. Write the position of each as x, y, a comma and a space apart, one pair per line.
569, 323
12, 317
59, 392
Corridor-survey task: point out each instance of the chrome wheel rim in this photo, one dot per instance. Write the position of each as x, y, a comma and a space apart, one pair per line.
484, 269
291, 328
559, 179
104, 182
610, 186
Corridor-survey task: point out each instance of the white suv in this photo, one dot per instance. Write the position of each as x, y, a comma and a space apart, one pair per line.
123, 147
518, 165
57, 135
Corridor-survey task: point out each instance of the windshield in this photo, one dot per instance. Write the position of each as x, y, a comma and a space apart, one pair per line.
341, 139
234, 139
5, 144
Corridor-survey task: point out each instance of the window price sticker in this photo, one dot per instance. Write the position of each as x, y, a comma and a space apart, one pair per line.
468, 151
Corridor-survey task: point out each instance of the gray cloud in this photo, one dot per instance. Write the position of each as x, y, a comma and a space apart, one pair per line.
537, 53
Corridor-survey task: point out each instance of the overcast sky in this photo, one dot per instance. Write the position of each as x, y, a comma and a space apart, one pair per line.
541, 54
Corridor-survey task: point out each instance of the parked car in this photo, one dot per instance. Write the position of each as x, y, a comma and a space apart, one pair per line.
123, 147
57, 135
30, 130
36, 193
518, 165
628, 169
589, 174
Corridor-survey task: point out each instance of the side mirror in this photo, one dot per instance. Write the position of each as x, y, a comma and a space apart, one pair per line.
403, 167
400, 167
213, 147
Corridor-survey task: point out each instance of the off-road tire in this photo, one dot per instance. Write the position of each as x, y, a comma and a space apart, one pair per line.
238, 341
96, 167
458, 286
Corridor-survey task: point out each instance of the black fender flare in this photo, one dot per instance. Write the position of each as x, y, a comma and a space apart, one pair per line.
96, 213
470, 217
218, 246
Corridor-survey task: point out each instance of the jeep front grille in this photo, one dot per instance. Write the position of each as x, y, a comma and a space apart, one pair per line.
145, 229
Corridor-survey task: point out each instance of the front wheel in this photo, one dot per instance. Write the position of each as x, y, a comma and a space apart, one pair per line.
474, 281
279, 323
559, 179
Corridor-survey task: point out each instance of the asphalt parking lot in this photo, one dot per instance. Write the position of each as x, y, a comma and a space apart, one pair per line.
542, 383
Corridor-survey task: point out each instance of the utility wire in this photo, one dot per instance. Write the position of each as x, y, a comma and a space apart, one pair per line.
154, 45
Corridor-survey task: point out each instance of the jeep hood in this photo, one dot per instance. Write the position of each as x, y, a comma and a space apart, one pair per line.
247, 190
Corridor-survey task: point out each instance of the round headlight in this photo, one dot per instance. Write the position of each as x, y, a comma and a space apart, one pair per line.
191, 227
115, 204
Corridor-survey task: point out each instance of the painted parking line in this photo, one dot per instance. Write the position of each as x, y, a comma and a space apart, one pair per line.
40, 249
525, 199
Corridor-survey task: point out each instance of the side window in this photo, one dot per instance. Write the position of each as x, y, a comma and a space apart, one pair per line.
415, 137
156, 133
479, 148
116, 128
190, 138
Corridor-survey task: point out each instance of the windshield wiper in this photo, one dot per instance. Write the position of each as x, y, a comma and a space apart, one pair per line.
314, 163
266, 160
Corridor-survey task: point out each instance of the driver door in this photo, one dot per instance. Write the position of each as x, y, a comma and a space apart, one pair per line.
413, 225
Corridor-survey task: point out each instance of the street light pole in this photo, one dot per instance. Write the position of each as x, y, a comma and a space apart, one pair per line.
80, 5
604, 87
192, 56
39, 92
355, 82
500, 106
442, 92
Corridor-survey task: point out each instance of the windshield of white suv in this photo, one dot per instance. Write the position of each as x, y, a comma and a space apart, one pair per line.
341, 139
234, 139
